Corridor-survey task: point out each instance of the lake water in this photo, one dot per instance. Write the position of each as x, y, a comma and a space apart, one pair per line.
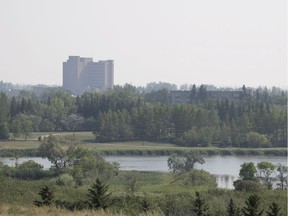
224, 168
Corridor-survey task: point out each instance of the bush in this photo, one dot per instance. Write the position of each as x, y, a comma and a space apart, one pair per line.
202, 178
256, 140
132, 182
197, 178
179, 204
72, 206
29, 174
247, 185
29, 170
46, 195
226, 152
64, 180
30, 165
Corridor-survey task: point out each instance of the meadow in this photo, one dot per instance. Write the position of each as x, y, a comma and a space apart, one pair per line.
164, 196
132, 192
21, 147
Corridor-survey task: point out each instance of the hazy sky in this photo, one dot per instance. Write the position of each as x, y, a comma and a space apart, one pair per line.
221, 42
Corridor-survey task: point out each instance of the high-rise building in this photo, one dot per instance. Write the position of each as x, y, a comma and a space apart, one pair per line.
82, 74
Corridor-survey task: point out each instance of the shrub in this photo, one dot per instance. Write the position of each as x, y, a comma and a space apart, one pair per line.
197, 178
257, 140
247, 185
202, 177
29, 170
46, 197
30, 165
64, 180
131, 182
72, 206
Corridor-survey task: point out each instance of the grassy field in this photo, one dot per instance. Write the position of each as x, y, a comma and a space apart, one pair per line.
17, 196
6, 210
86, 140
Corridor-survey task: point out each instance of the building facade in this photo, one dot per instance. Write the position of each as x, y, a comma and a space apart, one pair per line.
83, 74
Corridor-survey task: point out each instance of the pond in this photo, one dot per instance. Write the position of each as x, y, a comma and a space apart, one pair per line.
224, 168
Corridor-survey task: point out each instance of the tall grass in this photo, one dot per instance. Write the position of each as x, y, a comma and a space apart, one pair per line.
7, 209
132, 151
160, 190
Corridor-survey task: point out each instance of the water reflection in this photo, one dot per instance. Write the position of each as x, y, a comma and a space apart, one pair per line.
225, 181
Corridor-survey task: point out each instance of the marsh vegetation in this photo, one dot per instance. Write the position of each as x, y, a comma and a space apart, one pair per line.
81, 181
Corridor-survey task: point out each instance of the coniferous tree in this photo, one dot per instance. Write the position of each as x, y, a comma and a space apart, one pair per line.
200, 206
232, 210
4, 108
193, 94
274, 210
46, 197
4, 131
4, 115
14, 107
252, 206
98, 196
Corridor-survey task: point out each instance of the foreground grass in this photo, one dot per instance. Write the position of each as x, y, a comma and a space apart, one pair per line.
7, 209
17, 197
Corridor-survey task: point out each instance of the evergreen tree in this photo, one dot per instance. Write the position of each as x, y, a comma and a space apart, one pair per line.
202, 93
193, 94
252, 206
200, 206
46, 197
98, 196
23, 105
4, 131
274, 210
232, 210
244, 92
14, 107
4, 108
4, 115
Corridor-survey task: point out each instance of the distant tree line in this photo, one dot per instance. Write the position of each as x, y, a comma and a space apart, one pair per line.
127, 113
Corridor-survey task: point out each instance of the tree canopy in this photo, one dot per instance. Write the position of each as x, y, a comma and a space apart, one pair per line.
127, 113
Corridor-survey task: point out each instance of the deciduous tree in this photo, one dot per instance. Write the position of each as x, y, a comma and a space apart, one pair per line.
61, 153
282, 172
248, 171
265, 170
186, 164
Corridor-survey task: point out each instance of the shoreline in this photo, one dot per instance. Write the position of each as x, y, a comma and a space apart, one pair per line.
33, 152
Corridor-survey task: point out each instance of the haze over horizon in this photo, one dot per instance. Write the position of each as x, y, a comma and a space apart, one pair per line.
224, 43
